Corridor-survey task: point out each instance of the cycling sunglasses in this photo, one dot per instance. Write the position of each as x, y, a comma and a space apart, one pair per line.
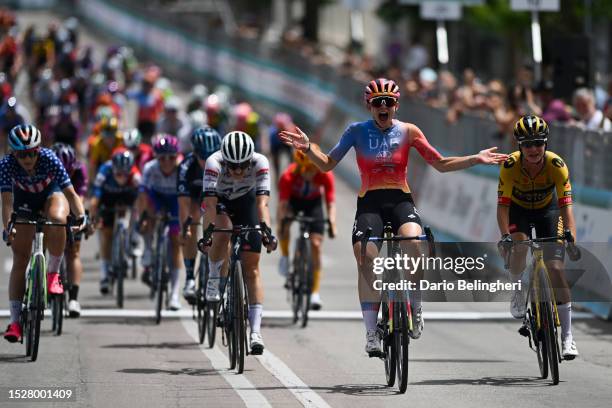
26, 153
235, 166
387, 100
167, 157
533, 143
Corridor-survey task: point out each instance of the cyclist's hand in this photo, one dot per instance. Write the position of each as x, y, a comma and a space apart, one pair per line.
505, 245
333, 230
270, 242
204, 244
297, 139
488, 156
9, 236
81, 224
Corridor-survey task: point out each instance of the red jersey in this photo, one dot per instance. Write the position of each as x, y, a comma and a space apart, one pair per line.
293, 185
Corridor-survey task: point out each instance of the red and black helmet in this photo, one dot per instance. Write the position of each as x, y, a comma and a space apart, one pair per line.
381, 87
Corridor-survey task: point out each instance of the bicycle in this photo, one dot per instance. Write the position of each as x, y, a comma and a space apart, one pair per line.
395, 326
57, 303
300, 280
234, 306
205, 313
35, 295
119, 252
541, 317
161, 262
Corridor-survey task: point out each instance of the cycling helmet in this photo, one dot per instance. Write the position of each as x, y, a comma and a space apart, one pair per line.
109, 124
165, 144
303, 161
205, 141
24, 137
66, 154
381, 87
132, 138
237, 147
531, 127
122, 161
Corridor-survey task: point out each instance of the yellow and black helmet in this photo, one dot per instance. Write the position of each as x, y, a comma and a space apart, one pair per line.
530, 127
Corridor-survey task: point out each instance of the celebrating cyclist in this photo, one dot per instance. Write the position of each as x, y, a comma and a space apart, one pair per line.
205, 141
527, 182
159, 192
301, 187
382, 146
78, 177
116, 186
32, 180
236, 192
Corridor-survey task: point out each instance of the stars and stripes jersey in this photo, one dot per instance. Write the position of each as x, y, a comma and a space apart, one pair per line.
105, 184
516, 186
293, 185
382, 155
219, 182
48, 171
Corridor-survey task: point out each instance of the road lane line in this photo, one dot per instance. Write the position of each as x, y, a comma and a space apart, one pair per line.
307, 397
322, 315
243, 387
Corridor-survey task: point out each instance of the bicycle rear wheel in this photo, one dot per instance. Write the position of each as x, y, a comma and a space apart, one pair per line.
305, 280
538, 341
57, 313
201, 302
239, 317
228, 320
121, 265
37, 305
388, 346
402, 341
160, 272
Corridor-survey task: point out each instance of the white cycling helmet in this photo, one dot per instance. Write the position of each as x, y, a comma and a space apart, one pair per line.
24, 137
132, 138
237, 147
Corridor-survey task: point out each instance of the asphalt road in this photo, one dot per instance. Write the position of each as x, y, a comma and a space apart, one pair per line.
121, 359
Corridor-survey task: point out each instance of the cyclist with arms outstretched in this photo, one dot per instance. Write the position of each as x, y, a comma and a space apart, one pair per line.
382, 145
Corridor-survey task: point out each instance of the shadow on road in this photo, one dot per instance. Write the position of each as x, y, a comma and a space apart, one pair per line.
366, 390
13, 358
182, 371
165, 345
455, 360
136, 321
531, 382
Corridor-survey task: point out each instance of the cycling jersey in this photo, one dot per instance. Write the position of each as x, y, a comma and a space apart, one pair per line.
382, 155
108, 190
49, 172
100, 152
218, 181
79, 179
516, 186
190, 178
143, 155
293, 186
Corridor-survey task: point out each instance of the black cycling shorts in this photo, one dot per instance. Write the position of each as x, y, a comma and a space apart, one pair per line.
31, 206
378, 207
547, 223
108, 202
310, 208
243, 211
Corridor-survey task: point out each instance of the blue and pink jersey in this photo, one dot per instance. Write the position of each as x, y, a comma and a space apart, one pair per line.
382, 155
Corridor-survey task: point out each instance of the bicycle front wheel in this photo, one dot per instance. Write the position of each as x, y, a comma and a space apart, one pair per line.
402, 341
239, 317
388, 346
201, 302
306, 279
538, 341
37, 303
550, 334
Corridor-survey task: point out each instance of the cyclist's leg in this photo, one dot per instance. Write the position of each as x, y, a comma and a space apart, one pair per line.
21, 247
152, 207
176, 254
217, 255
190, 251
74, 267
285, 209
56, 210
105, 236
314, 209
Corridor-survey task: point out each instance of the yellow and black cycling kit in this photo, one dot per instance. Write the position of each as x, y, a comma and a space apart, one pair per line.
517, 187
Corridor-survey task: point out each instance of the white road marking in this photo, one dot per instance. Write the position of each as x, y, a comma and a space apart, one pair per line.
243, 387
289, 379
287, 314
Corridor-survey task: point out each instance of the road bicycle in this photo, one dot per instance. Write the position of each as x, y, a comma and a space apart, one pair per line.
234, 306
541, 321
395, 326
35, 296
300, 279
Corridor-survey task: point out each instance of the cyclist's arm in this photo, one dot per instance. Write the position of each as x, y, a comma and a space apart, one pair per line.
7, 207
567, 215
184, 203
211, 210
76, 205
504, 196
263, 210
93, 206
323, 161
563, 188
503, 219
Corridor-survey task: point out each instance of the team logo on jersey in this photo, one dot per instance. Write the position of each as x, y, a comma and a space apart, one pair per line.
557, 162
509, 163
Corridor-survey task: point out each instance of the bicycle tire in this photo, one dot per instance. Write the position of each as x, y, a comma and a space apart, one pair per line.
134, 267
295, 282
306, 281
402, 341
551, 342
538, 341
201, 303
229, 320
38, 303
239, 317
122, 269
160, 265
388, 347
57, 313
212, 311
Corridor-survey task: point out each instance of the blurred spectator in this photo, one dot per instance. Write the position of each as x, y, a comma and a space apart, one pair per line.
67, 129
607, 109
589, 117
174, 121
282, 121
199, 92
150, 103
417, 56
553, 109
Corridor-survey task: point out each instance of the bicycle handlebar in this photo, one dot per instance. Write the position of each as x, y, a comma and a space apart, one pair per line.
42, 222
573, 252
427, 236
235, 230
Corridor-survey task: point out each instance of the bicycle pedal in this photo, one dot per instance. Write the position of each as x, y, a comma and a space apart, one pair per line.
379, 354
524, 331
